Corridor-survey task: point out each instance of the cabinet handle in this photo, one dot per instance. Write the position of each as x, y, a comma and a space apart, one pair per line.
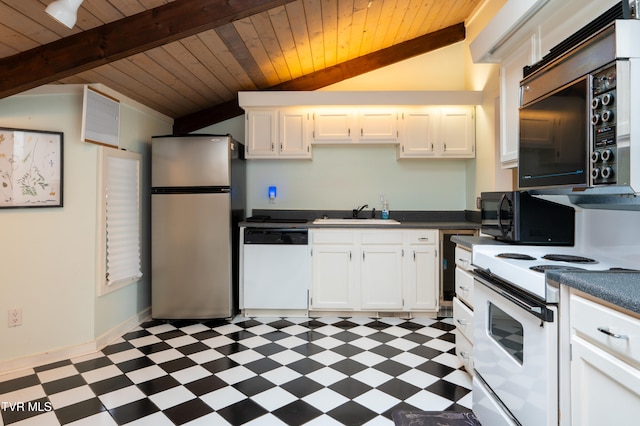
348, 132
272, 146
350, 255
280, 146
431, 147
464, 288
464, 355
461, 322
445, 146
606, 331
414, 255
423, 239
361, 132
363, 256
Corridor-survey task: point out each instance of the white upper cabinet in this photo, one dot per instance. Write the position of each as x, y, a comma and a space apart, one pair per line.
278, 133
357, 125
457, 132
378, 125
261, 133
430, 132
294, 129
331, 125
510, 76
417, 135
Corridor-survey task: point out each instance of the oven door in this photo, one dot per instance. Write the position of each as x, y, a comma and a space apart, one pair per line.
515, 354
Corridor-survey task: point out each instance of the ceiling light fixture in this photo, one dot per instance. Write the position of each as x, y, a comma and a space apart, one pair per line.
64, 11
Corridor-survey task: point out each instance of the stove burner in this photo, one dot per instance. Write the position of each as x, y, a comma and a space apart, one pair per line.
542, 268
568, 258
517, 256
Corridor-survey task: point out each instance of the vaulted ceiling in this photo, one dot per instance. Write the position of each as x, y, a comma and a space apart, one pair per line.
189, 58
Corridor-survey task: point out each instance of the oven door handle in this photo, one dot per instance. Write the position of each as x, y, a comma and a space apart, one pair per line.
535, 309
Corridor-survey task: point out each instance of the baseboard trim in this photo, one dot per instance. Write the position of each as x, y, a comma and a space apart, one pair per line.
44, 358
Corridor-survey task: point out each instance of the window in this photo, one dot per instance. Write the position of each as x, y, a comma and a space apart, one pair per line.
119, 219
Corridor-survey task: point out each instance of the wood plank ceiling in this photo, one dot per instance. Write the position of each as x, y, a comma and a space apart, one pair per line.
189, 58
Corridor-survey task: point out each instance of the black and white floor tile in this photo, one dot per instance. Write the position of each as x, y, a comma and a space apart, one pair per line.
254, 371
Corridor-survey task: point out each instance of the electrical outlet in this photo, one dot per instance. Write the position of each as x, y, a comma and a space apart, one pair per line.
478, 203
15, 317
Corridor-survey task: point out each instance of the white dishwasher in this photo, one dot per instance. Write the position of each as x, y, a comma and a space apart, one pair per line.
276, 268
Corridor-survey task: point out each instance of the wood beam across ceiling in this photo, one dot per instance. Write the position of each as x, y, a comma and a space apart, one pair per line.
120, 39
330, 75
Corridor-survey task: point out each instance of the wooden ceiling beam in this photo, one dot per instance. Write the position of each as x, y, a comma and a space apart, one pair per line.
331, 75
120, 39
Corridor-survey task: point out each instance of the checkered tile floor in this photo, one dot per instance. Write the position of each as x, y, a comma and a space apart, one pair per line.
294, 371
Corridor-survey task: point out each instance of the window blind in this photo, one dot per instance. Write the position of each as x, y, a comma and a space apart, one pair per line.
122, 220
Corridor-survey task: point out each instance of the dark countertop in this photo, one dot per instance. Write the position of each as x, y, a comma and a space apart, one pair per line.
401, 225
620, 288
469, 241
446, 220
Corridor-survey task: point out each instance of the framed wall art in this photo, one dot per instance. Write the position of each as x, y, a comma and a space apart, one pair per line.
30, 168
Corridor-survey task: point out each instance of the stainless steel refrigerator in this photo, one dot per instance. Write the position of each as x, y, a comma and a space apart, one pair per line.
197, 200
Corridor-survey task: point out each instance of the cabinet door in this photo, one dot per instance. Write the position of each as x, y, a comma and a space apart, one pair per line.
510, 76
294, 137
261, 134
378, 125
417, 133
457, 132
332, 277
421, 282
381, 277
604, 389
332, 125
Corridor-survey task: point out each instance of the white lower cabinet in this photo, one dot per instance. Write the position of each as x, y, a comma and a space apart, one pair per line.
381, 278
374, 270
421, 279
333, 271
463, 308
605, 365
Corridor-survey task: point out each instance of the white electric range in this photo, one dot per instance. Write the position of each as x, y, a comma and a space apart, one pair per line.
523, 266
516, 329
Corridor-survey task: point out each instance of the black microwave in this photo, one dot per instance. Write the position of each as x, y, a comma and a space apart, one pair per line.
520, 218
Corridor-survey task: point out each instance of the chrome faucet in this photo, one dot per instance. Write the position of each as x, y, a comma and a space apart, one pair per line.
358, 210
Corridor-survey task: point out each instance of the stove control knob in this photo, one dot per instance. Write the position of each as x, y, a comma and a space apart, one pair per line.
607, 173
595, 173
607, 116
596, 103
595, 156
595, 119
607, 99
607, 155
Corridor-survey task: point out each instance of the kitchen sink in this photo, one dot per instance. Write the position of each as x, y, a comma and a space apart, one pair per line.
351, 221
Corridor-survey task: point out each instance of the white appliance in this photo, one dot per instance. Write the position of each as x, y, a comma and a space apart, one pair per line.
197, 201
275, 269
516, 330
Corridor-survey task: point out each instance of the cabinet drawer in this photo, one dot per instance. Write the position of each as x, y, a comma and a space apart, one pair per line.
592, 321
381, 237
427, 236
329, 236
464, 351
464, 286
463, 318
463, 258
